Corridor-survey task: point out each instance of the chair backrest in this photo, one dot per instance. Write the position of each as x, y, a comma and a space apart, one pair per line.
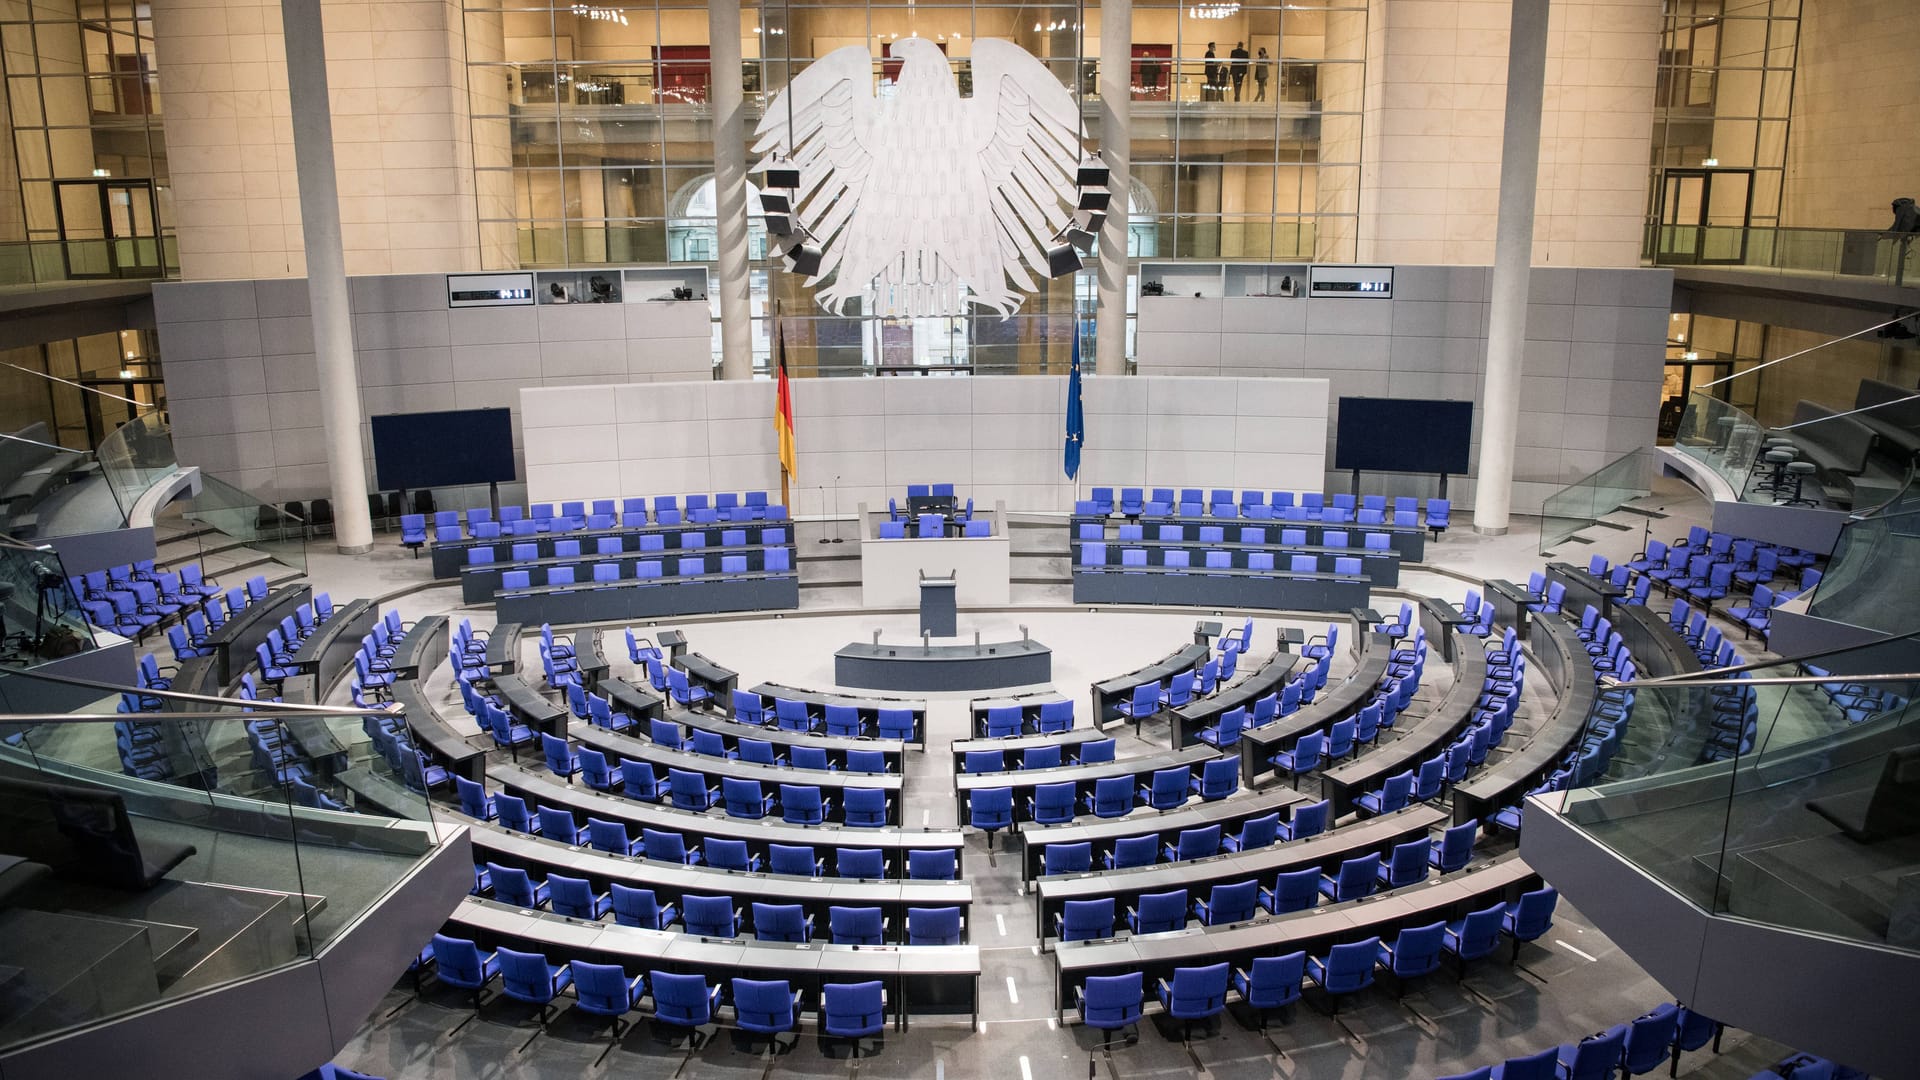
681, 999
933, 926
1310, 820
778, 922
1650, 1038
1068, 858
1350, 967
1357, 877
1197, 992
1197, 843
990, 808
1136, 851
1053, 802
1454, 849
1541, 1066
1407, 865
663, 846
1596, 1057
1532, 914
801, 803
933, 864
1233, 902
1170, 787
1111, 1001
855, 925
852, 1010
1161, 912
860, 863
1220, 777
1296, 890
1479, 933
1417, 950
1112, 796
458, 961
709, 916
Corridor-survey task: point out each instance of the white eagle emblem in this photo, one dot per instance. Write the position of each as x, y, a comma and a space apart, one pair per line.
925, 202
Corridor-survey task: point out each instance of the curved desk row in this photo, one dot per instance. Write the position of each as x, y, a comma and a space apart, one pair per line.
1084, 777
1452, 896
234, 642
867, 705
1382, 567
1326, 851
436, 734
1110, 694
1562, 657
931, 668
1103, 833
545, 789
1029, 705
450, 556
731, 730
671, 881
1335, 703
921, 978
329, 650
1014, 746
831, 783
1419, 740
1268, 678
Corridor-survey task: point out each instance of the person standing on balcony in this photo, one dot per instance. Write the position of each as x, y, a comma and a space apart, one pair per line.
1211, 91
1239, 55
1260, 65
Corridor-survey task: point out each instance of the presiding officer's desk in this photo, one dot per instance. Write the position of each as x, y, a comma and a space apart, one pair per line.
436, 734
530, 707
892, 750
1204, 712
894, 896
1333, 704
867, 705
1417, 740
1480, 884
1083, 777
450, 556
1103, 833
1013, 746
545, 789
1558, 654
1278, 589
1265, 865
830, 782
919, 978
1110, 694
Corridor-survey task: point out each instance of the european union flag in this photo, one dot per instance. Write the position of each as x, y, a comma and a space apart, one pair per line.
1076, 422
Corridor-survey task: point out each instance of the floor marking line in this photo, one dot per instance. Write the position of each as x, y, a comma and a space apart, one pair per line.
1013, 993
1589, 957
1026, 1070
1000, 921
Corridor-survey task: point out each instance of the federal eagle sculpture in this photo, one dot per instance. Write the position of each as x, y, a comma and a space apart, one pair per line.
925, 202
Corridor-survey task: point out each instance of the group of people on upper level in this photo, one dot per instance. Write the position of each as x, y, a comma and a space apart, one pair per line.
1238, 61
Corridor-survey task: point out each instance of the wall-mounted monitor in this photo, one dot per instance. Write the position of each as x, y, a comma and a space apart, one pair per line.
489, 290
1415, 435
442, 449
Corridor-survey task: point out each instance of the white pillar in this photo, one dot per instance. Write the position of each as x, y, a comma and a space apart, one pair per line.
1116, 148
726, 98
327, 274
1512, 266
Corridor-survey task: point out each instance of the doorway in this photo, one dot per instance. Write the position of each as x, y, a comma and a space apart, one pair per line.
109, 228
1703, 216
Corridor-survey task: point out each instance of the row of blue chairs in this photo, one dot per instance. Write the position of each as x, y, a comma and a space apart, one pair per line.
1094, 559
934, 526
778, 561
130, 600
1315, 749
614, 545
612, 837
724, 506
715, 916
1221, 503
680, 1000
1049, 756
1247, 534
1197, 994
1634, 1048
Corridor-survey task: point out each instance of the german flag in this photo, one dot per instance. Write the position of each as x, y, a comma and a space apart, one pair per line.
783, 410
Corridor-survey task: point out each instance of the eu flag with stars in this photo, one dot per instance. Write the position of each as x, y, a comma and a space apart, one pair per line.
1076, 422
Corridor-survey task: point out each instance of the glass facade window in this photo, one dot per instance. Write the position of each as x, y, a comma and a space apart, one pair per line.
593, 144
87, 147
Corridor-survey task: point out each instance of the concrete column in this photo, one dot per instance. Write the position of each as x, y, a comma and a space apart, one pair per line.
730, 187
1116, 148
1512, 266
327, 274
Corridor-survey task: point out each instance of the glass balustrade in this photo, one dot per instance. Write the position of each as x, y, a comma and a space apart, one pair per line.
1783, 793
1593, 496
186, 844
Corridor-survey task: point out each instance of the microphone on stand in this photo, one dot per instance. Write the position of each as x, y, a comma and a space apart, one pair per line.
837, 538
822, 488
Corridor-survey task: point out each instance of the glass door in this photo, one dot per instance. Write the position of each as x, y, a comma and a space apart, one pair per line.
1704, 214
109, 228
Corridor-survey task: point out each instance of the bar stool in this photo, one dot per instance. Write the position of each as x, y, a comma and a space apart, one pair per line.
1800, 471
1777, 460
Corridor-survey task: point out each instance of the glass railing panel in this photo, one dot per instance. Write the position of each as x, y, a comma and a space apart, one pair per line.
137, 455
1871, 552
244, 518
1720, 436
41, 262
1812, 252
42, 617
1785, 795
1593, 496
173, 852
41, 484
